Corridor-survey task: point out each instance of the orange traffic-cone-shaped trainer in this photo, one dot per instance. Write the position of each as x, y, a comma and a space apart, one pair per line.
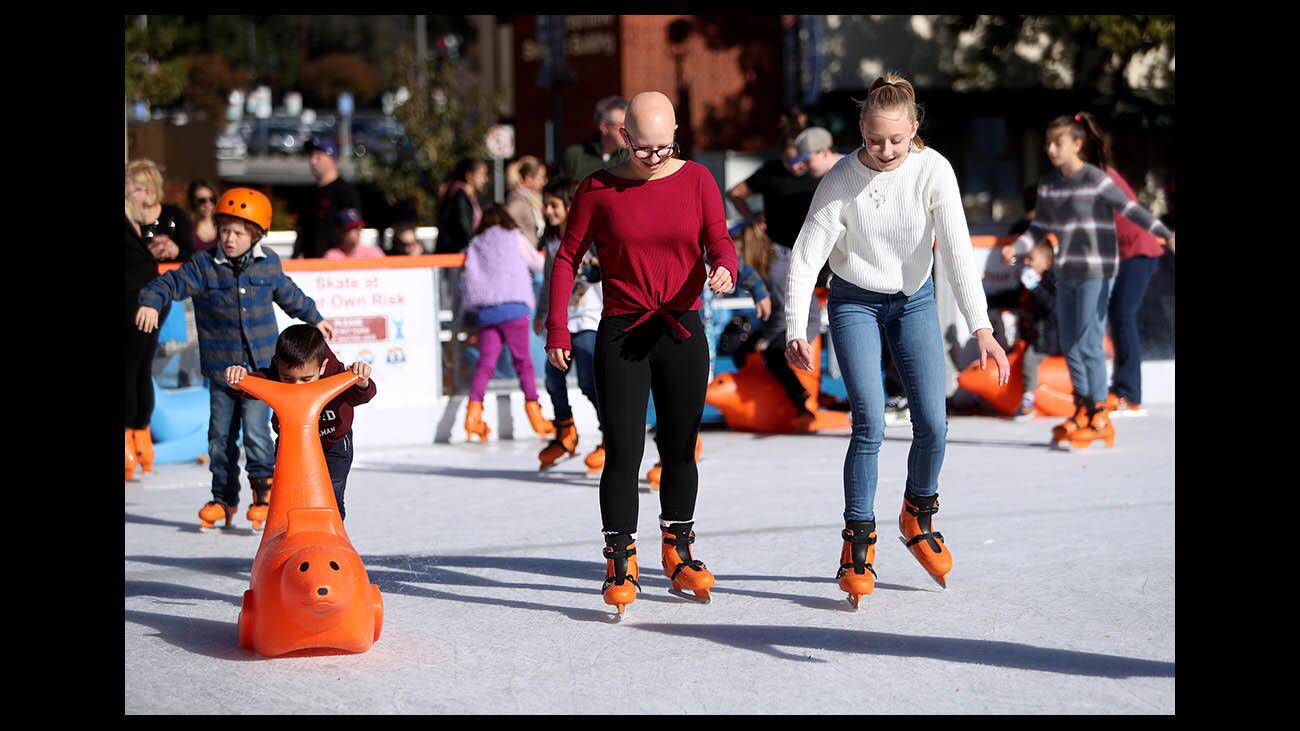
596, 460
257, 511
309, 589
144, 449
916, 523
213, 512
131, 460
1079, 419
857, 576
622, 575
565, 444
681, 568
474, 424
540, 424
1099, 428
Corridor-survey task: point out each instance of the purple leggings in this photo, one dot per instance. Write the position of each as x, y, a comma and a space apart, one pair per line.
515, 334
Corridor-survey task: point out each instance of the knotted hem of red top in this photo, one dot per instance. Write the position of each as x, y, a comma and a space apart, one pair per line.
665, 313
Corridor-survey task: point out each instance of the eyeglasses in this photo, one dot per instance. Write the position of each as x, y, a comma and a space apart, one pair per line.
644, 153
200, 201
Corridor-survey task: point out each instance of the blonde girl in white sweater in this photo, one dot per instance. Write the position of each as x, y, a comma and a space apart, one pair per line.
876, 216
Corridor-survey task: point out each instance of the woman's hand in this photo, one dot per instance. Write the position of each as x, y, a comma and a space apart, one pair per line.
763, 308
558, 357
720, 280
1008, 254
989, 347
146, 318
799, 354
163, 248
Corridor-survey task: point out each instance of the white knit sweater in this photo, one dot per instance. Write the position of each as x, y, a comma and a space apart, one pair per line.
879, 229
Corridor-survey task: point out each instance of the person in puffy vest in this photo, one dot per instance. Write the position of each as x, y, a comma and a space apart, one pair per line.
497, 287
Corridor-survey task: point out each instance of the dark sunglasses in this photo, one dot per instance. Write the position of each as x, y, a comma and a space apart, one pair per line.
198, 201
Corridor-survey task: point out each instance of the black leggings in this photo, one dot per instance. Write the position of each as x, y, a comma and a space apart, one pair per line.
140, 348
629, 366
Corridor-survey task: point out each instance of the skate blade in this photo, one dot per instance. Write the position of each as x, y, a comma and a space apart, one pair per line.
940, 580
853, 601
553, 465
703, 598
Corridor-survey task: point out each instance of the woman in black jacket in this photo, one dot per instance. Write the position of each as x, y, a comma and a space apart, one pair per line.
155, 232
458, 209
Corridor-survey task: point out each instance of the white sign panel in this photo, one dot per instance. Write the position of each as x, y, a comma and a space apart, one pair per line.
387, 318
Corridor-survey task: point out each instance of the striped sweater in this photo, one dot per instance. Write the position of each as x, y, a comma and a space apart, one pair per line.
1081, 212
879, 230
230, 309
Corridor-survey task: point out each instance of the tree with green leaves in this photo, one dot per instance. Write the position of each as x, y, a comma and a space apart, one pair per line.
1094, 50
152, 74
444, 124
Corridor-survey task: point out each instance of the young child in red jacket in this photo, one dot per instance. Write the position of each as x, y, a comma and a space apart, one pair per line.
301, 356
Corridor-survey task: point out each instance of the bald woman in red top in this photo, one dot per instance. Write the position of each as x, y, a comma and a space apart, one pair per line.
657, 223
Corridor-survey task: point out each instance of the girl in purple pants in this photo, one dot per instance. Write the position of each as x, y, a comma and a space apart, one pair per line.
498, 286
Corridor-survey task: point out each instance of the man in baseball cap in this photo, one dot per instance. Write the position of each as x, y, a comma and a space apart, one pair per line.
813, 146
317, 231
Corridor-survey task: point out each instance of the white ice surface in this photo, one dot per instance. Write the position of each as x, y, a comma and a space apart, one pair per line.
1061, 599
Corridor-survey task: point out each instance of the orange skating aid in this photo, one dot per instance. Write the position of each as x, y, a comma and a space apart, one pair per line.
131, 460
309, 589
540, 424
653, 475
686, 573
915, 522
857, 576
622, 575
143, 449
212, 512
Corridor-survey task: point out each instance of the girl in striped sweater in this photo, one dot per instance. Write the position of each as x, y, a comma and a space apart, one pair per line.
876, 216
1078, 201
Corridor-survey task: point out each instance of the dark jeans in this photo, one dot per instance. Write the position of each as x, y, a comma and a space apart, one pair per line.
228, 411
584, 353
629, 367
1125, 301
777, 365
140, 348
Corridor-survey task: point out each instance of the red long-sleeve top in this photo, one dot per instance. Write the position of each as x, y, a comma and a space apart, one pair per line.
651, 237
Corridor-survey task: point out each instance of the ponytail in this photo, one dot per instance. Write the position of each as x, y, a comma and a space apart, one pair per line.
1083, 126
892, 91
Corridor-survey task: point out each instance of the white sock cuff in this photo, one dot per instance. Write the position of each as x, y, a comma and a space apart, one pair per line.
665, 524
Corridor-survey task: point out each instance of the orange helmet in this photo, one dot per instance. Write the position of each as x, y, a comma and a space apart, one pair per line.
247, 204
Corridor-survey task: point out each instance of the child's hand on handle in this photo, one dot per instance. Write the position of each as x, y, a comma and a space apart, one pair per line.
326, 329
235, 374
146, 318
362, 370
1008, 254
559, 357
799, 354
720, 280
989, 347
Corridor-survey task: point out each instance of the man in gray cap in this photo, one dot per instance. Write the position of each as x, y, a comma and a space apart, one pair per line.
787, 185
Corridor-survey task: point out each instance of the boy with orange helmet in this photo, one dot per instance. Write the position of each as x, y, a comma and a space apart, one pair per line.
233, 285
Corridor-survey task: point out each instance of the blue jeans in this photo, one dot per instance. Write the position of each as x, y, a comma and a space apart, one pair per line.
1125, 301
1081, 306
911, 325
584, 350
228, 409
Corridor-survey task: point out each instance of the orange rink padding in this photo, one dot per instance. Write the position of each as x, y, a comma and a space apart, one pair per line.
421, 261
309, 589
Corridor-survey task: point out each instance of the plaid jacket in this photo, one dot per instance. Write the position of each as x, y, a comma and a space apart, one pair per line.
226, 306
